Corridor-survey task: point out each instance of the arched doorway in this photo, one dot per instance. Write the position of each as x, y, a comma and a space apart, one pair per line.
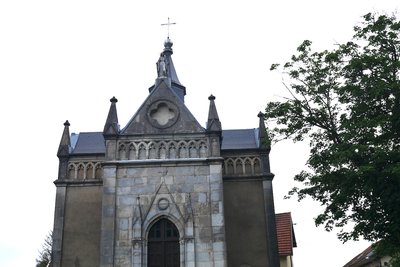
163, 244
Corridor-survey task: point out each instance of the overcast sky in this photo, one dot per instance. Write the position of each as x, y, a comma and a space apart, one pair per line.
64, 60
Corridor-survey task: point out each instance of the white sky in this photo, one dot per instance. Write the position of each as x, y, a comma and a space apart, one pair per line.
64, 60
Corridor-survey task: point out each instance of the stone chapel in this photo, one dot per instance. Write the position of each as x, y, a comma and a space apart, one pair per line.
165, 190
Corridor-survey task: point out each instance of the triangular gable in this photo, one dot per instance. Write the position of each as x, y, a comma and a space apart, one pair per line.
161, 113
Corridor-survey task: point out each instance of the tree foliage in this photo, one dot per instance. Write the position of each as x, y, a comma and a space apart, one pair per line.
45, 253
346, 102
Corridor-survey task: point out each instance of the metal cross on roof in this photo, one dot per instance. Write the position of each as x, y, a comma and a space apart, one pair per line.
168, 24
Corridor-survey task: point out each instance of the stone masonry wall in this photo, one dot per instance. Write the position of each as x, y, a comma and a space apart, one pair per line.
187, 193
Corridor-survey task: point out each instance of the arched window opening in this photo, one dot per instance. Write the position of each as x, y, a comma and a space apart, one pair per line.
81, 172
239, 166
257, 166
89, 171
247, 167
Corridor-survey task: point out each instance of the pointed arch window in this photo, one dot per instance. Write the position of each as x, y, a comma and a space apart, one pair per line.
163, 245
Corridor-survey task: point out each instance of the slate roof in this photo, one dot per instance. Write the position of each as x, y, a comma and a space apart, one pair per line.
93, 142
285, 232
240, 139
88, 143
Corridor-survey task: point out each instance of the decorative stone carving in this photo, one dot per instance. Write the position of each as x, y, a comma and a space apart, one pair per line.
239, 166
162, 67
162, 114
85, 170
161, 149
163, 204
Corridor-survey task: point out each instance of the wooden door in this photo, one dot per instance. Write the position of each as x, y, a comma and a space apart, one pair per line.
163, 245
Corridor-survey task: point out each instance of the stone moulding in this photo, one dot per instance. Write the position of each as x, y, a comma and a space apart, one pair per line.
162, 149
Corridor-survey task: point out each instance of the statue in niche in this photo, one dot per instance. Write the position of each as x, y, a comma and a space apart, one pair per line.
162, 66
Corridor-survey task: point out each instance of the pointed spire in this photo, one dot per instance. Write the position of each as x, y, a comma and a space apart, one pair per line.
165, 66
263, 135
166, 71
112, 127
65, 143
213, 123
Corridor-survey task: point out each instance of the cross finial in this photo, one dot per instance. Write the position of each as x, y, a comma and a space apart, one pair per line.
168, 24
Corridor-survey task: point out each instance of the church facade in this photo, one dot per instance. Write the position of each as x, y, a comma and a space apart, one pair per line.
164, 190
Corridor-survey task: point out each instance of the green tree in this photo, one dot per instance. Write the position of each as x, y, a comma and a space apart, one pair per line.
45, 253
346, 103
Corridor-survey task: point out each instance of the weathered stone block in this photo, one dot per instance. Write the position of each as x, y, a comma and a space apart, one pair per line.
146, 189
201, 187
109, 172
202, 198
139, 181
134, 172
217, 219
108, 211
215, 169
122, 173
184, 171
215, 178
201, 170
169, 180
154, 180
201, 179
123, 223
216, 195
125, 212
123, 190
216, 186
124, 182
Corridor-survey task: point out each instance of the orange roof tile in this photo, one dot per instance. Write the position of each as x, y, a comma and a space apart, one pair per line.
285, 233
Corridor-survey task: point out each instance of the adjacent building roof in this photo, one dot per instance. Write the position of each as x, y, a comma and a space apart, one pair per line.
367, 256
285, 233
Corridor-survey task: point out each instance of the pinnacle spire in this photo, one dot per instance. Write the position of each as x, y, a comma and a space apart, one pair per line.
111, 126
263, 136
213, 123
65, 143
64, 150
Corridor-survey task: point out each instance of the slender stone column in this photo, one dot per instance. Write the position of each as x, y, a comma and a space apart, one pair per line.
58, 228
108, 217
273, 256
